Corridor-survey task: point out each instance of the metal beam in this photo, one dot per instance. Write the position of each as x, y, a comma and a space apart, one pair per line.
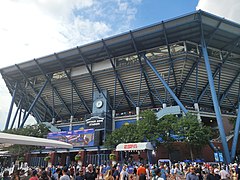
215, 100
196, 91
225, 93
35, 91
142, 69
165, 85
18, 108
124, 89
33, 104
74, 85
54, 88
236, 134
170, 56
214, 32
11, 106
158, 97
93, 78
187, 78
216, 71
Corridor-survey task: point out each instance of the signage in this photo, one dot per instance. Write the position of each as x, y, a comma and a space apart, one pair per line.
96, 122
218, 157
130, 146
78, 138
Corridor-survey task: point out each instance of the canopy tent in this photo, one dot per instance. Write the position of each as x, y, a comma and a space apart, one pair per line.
134, 146
34, 141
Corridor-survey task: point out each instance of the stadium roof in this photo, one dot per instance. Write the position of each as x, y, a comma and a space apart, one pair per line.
116, 64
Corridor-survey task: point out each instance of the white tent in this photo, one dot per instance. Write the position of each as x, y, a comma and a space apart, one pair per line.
27, 140
134, 146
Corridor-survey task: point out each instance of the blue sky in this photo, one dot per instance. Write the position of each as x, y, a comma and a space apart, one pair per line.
34, 28
152, 11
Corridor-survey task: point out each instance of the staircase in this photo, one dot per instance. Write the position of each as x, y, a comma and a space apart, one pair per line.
168, 110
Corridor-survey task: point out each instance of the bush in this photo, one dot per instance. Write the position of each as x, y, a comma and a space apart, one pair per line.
47, 158
77, 157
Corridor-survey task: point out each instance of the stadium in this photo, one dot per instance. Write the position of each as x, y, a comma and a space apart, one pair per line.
185, 64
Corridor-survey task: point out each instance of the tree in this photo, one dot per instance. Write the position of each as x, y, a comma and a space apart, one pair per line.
195, 134
126, 134
37, 130
145, 129
167, 128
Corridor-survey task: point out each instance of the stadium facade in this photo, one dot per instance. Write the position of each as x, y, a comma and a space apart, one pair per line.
186, 64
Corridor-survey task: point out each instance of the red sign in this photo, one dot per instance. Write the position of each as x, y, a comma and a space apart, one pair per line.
130, 146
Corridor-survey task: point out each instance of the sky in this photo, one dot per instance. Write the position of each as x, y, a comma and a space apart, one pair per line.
34, 28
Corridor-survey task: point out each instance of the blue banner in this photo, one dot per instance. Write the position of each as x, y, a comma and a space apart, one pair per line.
78, 138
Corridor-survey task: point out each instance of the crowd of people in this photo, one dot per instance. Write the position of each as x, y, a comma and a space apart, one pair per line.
178, 171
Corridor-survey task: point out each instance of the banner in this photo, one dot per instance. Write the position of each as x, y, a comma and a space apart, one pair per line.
95, 122
78, 138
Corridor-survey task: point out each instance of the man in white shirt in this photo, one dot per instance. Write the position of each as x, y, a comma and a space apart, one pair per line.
224, 174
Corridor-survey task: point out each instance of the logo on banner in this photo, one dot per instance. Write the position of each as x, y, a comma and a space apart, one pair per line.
95, 122
130, 146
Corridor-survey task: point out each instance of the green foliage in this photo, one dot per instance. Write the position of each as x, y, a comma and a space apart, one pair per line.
77, 157
150, 129
125, 134
47, 158
196, 134
112, 157
145, 129
37, 130
168, 125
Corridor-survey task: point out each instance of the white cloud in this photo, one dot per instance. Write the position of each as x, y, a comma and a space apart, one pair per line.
228, 9
33, 28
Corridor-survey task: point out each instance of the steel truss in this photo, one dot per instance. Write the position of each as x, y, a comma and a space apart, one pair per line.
128, 65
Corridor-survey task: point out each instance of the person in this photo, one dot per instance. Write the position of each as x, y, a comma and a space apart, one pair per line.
192, 175
141, 172
147, 172
15, 175
224, 174
177, 172
234, 175
116, 173
157, 175
213, 174
124, 173
163, 172
198, 172
44, 176
6, 175
90, 173
79, 175
55, 175
65, 176
34, 175
109, 175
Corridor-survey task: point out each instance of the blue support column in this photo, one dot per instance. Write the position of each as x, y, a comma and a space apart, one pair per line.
236, 133
18, 108
11, 107
215, 101
33, 104
165, 85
